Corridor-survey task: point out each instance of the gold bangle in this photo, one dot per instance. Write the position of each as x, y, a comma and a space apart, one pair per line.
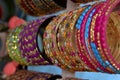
67, 28
50, 42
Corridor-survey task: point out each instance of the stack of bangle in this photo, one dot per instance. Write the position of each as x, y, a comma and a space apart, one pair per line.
30, 42
66, 41
29, 75
82, 1
86, 38
101, 35
50, 41
91, 38
70, 78
13, 48
41, 7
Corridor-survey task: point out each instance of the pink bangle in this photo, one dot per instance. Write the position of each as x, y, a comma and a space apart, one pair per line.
94, 41
100, 37
104, 44
79, 41
93, 57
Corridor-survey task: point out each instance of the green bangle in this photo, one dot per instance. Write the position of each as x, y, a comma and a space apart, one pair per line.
13, 47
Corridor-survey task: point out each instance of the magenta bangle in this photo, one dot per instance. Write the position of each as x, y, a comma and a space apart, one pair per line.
104, 45
80, 46
99, 54
28, 43
100, 37
89, 54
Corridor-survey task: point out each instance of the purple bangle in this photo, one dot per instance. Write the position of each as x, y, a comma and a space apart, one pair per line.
28, 43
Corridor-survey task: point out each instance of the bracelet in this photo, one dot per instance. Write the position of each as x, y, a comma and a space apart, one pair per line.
79, 41
107, 64
21, 75
29, 75
39, 7
13, 48
66, 42
104, 45
100, 57
94, 57
50, 42
82, 1
29, 44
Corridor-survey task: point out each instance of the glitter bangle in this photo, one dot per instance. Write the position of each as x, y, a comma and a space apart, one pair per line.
105, 15
50, 42
28, 43
79, 41
13, 48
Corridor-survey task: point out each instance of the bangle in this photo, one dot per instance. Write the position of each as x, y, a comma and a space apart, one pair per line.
50, 42
29, 75
103, 42
25, 7
21, 75
66, 40
27, 39
93, 57
82, 1
96, 42
79, 40
13, 48
97, 51
39, 7
70, 78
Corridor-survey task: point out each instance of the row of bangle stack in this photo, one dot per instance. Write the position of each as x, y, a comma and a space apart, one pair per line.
84, 39
32, 75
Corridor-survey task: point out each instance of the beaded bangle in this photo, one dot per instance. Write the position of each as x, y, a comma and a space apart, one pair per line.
29, 45
13, 48
39, 7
